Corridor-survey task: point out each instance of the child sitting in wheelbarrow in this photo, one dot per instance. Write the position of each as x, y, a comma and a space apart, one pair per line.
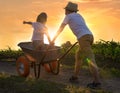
39, 30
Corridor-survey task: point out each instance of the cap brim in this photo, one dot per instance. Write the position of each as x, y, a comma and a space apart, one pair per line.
70, 10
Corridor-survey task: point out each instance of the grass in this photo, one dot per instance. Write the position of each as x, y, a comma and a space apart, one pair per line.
16, 84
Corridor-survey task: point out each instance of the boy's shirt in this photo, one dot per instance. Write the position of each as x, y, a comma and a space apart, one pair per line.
38, 31
77, 24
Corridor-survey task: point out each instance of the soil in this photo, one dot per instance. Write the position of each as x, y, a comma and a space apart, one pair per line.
108, 84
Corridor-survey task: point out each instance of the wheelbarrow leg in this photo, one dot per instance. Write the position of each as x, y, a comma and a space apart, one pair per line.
34, 66
39, 68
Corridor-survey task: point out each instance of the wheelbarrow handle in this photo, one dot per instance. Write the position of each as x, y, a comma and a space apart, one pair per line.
67, 52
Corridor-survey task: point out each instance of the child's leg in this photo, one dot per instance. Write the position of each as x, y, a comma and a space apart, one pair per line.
78, 62
34, 43
37, 44
85, 44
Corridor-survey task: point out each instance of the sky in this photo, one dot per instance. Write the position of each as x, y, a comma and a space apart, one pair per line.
101, 16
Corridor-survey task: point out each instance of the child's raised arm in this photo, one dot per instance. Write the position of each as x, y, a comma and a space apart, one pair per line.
25, 22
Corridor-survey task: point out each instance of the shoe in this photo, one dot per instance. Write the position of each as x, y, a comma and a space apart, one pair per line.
73, 79
94, 85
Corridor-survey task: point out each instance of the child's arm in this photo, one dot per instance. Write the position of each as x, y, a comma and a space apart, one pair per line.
58, 32
25, 22
48, 37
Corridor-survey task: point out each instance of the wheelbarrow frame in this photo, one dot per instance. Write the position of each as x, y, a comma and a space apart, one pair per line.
37, 65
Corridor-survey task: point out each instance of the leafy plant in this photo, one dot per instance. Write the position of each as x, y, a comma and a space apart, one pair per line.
9, 53
108, 49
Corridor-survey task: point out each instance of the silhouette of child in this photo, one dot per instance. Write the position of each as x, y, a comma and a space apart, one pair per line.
85, 39
39, 29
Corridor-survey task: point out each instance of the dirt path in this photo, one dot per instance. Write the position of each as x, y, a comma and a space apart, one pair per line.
112, 85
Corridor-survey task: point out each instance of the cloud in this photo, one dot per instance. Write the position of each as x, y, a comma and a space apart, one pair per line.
86, 1
109, 7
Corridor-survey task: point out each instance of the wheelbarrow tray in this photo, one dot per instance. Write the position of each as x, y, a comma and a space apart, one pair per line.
51, 54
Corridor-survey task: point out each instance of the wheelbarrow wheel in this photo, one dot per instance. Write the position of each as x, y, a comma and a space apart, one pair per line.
22, 66
52, 67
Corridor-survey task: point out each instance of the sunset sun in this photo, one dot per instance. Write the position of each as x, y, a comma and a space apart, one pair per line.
51, 34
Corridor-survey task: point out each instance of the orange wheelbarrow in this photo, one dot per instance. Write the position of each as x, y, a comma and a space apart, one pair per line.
49, 57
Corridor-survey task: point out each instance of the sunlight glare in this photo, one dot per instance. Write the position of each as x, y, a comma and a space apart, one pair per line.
91, 63
51, 34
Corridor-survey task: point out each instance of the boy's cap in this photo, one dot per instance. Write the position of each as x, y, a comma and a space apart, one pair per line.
71, 6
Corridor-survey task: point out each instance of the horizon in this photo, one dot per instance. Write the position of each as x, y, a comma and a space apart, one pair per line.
101, 16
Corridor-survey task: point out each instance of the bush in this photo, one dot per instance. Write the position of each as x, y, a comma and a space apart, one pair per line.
10, 54
108, 49
107, 53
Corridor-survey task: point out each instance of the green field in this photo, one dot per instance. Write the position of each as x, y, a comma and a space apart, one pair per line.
107, 55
